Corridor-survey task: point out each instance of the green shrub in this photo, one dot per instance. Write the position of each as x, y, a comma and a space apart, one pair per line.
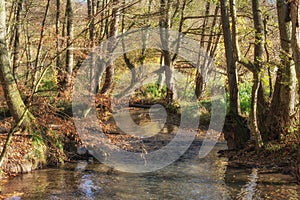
245, 97
152, 91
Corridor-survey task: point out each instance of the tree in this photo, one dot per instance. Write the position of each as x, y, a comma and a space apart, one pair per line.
164, 24
230, 60
113, 32
16, 53
240, 135
199, 78
282, 101
295, 16
70, 38
8, 82
258, 67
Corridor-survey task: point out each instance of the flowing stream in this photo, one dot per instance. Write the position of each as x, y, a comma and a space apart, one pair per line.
187, 178
190, 177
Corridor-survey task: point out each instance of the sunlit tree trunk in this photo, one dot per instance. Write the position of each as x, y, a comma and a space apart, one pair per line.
235, 40
70, 37
37, 63
282, 97
164, 24
199, 82
295, 16
237, 138
231, 66
258, 63
113, 32
59, 68
16, 53
12, 94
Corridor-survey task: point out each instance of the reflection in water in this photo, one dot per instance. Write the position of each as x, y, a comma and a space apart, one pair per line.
249, 190
188, 178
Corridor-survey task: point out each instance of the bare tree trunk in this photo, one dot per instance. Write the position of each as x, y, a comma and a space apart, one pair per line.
94, 71
59, 69
231, 65
199, 82
259, 105
70, 37
16, 53
238, 135
109, 76
39, 48
12, 94
295, 16
236, 47
258, 63
282, 96
164, 23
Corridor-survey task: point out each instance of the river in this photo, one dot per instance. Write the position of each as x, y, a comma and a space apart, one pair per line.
188, 178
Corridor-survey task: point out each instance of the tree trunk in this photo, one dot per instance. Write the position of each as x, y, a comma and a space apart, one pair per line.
109, 76
236, 47
164, 24
230, 61
59, 69
258, 111
12, 94
258, 63
295, 16
238, 134
199, 82
282, 96
17, 38
37, 65
70, 37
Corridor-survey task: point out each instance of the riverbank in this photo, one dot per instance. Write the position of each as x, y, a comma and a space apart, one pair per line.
275, 157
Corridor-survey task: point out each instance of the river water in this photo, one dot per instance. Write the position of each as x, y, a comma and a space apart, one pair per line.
188, 178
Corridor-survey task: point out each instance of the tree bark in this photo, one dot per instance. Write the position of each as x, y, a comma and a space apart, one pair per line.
199, 82
16, 53
70, 37
164, 24
230, 61
236, 47
59, 69
39, 48
238, 134
258, 63
109, 76
282, 97
295, 16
